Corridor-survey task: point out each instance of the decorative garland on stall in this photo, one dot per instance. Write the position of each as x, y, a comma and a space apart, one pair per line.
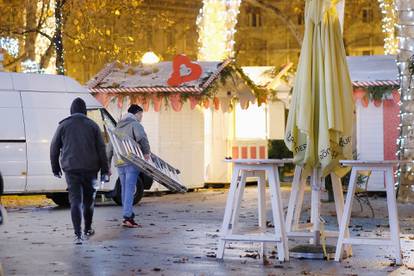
207, 98
376, 94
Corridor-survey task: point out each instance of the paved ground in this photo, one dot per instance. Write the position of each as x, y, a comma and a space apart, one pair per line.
179, 237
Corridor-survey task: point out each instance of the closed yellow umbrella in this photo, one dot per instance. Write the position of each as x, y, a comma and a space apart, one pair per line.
319, 127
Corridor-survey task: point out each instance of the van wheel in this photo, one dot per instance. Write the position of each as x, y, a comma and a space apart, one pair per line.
139, 192
61, 199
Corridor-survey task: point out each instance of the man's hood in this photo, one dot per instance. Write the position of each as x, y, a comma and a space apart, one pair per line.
78, 106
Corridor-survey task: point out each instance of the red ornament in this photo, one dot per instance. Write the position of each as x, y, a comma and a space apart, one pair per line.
103, 98
358, 94
143, 101
193, 102
377, 103
176, 79
120, 101
135, 100
157, 101
176, 103
206, 103
396, 96
216, 103
365, 101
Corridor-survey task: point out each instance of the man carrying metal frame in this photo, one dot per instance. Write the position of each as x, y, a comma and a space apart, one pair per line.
130, 125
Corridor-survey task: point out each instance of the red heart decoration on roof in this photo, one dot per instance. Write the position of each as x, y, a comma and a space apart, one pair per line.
176, 78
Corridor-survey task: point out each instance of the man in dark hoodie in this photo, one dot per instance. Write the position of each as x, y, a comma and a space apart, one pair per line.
130, 125
79, 144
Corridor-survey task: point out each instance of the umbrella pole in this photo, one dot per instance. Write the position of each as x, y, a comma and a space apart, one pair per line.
314, 250
315, 205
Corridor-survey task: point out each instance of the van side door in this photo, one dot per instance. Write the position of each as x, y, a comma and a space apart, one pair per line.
42, 113
13, 165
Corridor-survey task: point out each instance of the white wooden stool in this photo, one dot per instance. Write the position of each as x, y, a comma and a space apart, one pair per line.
293, 227
242, 169
394, 241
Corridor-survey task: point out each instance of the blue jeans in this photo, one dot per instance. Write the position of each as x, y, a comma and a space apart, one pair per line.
128, 175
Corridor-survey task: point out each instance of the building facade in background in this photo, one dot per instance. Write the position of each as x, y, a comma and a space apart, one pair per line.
268, 33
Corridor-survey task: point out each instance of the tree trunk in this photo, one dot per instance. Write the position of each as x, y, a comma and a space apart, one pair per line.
45, 59
57, 39
405, 60
31, 24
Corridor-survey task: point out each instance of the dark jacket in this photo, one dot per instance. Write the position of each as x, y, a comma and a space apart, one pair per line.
79, 143
130, 126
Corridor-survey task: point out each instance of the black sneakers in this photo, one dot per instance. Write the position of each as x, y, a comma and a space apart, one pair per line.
89, 232
78, 240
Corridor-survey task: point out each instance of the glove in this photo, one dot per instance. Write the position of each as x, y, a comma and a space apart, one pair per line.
58, 174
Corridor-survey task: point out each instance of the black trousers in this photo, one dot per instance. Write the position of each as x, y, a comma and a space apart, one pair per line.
82, 199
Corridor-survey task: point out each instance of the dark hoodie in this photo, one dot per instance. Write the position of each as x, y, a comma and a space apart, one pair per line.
79, 143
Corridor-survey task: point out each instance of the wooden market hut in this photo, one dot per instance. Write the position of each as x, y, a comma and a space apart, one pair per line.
193, 125
376, 97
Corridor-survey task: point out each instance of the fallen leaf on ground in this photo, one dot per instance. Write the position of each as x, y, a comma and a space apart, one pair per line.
211, 254
182, 260
252, 255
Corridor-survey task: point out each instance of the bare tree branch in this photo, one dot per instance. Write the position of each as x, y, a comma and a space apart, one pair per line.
24, 32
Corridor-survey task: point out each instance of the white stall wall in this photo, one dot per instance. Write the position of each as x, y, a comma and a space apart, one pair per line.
370, 140
276, 120
219, 136
181, 143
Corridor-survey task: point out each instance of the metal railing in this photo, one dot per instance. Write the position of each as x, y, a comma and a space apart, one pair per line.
162, 172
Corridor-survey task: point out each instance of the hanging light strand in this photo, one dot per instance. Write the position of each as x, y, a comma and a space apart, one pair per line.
389, 20
216, 24
404, 11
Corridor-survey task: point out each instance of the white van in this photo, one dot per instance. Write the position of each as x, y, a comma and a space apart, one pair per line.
31, 106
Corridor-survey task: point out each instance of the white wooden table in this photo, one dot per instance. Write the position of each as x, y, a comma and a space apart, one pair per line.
394, 241
243, 168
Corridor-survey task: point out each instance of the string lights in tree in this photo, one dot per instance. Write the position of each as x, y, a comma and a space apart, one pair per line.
389, 20
31, 66
58, 37
404, 10
216, 24
11, 45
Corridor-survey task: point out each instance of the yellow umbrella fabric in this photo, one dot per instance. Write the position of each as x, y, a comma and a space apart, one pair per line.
319, 127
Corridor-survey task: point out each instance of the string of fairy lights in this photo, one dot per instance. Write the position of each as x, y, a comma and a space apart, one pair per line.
404, 27
10, 45
216, 24
389, 19
58, 43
